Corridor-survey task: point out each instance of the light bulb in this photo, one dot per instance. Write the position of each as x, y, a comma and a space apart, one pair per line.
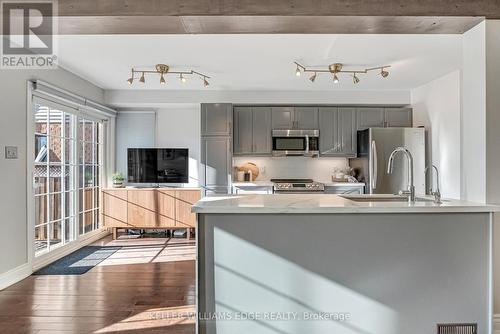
162, 80
384, 73
130, 80
313, 77
335, 78
297, 71
142, 79
183, 79
205, 82
355, 79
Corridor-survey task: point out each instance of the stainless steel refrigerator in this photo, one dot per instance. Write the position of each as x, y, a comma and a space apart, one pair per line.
374, 148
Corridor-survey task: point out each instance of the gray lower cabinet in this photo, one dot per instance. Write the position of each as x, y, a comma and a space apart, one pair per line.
216, 164
339, 190
216, 119
282, 117
368, 117
306, 118
252, 131
337, 131
398, 117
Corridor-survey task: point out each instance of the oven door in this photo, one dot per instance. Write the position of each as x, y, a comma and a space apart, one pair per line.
287, 146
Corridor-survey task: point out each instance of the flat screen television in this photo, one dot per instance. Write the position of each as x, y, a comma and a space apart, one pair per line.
158, 165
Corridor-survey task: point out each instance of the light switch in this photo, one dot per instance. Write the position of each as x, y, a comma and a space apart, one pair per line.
10, 152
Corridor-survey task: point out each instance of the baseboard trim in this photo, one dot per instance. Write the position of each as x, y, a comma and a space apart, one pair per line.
58, 253
14, 275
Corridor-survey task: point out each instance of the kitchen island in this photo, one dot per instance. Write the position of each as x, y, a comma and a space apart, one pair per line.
300, 263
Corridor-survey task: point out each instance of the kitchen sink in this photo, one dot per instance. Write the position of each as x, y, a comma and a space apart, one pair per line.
382, 198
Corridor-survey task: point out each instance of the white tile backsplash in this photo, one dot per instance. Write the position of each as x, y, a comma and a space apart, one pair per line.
318, 169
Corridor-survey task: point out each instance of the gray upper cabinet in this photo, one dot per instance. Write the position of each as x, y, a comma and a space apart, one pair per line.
243, 128
306, 118
370, 118
398, 117
216, 161
216, 119
252, 131
337, 131
261, 131
282, 117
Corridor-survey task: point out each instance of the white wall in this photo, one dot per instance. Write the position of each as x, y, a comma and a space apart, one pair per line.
179, 126
473, 117
436, 105
147, 98
133, 129
318, 169
13, 239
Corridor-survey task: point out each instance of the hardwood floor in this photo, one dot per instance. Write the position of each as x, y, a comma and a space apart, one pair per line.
148, 286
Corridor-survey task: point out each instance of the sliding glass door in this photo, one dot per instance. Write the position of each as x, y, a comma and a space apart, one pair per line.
66, 170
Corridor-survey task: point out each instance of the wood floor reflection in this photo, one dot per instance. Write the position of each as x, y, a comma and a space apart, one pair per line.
148, 286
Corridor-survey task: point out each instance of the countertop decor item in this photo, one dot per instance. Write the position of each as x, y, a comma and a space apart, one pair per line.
250, 166
118, 180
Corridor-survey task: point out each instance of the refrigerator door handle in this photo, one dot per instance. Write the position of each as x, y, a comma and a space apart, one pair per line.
374, 165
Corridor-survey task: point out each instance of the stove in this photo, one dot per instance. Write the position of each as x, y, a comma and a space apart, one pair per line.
297, 186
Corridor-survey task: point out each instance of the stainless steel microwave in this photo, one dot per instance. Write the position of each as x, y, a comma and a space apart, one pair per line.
295, 142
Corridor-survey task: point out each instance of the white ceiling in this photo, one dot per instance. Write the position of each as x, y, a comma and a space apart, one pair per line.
261, 62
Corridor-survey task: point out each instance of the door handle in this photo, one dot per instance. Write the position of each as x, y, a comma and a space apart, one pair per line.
374, 165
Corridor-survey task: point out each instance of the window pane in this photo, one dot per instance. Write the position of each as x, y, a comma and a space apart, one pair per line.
96, 175
89, 129
80, 152
96, 219
80, 129
68, 228
55, 123
97, 132
89, 176
55, 179
41, 210
55, 205
88, 154
41, 148
55, 149
41, 235
69, 183
55, 230
41, 114
89, 220
80, 200
80, 223
68, 125
40, 182
89, 201
81, 176
69, 198
68, 151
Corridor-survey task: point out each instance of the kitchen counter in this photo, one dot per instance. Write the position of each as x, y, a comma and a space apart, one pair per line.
267, 183
323, 203
389, 267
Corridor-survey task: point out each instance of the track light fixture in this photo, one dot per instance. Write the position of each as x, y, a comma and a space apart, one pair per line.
163, 70
355, 79
313, 77
336, 68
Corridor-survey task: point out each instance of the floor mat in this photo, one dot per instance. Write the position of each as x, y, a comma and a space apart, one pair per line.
78, 262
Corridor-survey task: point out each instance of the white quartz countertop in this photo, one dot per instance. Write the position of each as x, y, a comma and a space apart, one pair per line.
325, 203
270, 184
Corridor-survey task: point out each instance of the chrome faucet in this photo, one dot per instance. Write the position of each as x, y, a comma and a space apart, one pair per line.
411, 188
437, 193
